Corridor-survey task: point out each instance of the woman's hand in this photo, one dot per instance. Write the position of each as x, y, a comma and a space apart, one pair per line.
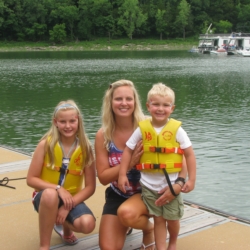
167, 195
136, 155
66, 197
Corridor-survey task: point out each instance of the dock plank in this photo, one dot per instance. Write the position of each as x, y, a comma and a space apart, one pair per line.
14, 166
193, 220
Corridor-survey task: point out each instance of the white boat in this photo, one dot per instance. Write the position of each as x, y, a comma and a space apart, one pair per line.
243, 52
232, 43
220, 52
194, 49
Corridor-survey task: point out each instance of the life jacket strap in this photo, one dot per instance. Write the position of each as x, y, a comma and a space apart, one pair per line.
155, 166
174, 150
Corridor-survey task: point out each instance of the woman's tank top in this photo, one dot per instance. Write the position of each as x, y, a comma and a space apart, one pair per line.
133, 174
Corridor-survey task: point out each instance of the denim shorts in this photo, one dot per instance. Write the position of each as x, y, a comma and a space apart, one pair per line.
74, 213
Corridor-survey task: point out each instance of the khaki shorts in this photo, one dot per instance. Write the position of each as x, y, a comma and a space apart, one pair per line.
170, 211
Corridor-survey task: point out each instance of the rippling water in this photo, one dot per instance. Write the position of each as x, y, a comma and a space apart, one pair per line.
212, 101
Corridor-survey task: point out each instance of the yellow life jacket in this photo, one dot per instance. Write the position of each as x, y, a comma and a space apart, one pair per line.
74, 173
160, 151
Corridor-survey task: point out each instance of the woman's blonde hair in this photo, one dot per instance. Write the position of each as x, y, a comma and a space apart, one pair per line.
108, 116
162, 90
53, 136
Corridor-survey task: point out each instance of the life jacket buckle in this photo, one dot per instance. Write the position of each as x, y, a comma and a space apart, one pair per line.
64, 171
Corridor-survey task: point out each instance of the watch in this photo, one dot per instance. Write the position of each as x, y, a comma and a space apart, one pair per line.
57, 187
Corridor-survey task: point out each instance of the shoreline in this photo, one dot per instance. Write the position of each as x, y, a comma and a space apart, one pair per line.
96, 47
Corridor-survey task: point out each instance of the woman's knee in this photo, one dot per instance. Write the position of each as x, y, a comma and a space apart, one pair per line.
126, 213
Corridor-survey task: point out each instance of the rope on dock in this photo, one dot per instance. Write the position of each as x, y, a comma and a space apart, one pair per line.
4, 182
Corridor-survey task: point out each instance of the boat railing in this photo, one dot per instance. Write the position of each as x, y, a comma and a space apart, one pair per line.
240, 34
204, 36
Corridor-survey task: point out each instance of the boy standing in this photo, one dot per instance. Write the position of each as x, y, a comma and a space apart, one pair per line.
164, 144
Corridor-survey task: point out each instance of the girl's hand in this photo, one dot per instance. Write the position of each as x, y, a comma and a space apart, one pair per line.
137, 153
66, 197
167, 195
61, 215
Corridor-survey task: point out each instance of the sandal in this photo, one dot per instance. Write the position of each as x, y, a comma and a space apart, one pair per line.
149, 245
129, 231
69, 240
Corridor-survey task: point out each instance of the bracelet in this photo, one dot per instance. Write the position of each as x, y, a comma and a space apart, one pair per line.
180, 183
180, 179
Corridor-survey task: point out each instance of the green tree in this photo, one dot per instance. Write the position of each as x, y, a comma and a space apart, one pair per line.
85, 23
68, 15
58, 34
243, 23
131, 17
160, 22
224, 27
183, 16
2, 7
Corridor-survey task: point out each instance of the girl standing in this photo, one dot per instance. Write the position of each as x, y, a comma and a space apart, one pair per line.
62, 160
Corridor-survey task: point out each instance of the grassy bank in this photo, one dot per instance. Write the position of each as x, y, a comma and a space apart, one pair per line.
102, 44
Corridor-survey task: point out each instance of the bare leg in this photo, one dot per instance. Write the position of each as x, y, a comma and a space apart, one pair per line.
47, 216
84, 224
133, 213
112, 233
173, 229
160, 232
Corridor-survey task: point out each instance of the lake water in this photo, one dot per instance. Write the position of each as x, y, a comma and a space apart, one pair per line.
212, 101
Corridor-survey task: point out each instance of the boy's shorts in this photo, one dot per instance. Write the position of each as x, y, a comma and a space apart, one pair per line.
170, 211
74, 213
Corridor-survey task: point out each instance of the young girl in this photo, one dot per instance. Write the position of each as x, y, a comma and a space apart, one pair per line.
62, 159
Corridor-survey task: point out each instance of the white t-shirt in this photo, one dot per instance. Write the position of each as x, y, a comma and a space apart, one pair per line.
157, 181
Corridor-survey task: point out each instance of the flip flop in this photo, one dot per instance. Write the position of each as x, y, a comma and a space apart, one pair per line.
149, 245
69, 240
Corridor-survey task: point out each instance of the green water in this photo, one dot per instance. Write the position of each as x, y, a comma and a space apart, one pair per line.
212, 101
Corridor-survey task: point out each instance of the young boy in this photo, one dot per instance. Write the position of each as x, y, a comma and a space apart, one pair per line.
164, 144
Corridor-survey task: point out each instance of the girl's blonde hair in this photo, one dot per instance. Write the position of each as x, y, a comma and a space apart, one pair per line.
108, 116
162, 90
53, 136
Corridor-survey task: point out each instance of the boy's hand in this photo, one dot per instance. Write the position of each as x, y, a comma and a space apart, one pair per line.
188, 187
123, 183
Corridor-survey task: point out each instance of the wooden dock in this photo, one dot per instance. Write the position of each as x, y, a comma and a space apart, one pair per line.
201, 228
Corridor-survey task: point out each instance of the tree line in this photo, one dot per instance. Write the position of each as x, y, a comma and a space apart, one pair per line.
80, 20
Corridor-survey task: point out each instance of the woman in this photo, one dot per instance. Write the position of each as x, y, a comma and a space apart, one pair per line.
121, 112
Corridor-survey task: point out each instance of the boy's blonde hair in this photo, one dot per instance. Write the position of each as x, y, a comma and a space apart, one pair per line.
108, 116
162, 90
53, 136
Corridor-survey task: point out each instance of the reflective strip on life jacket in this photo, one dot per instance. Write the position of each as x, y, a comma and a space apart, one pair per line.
174, 150
68, 171
155, 166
